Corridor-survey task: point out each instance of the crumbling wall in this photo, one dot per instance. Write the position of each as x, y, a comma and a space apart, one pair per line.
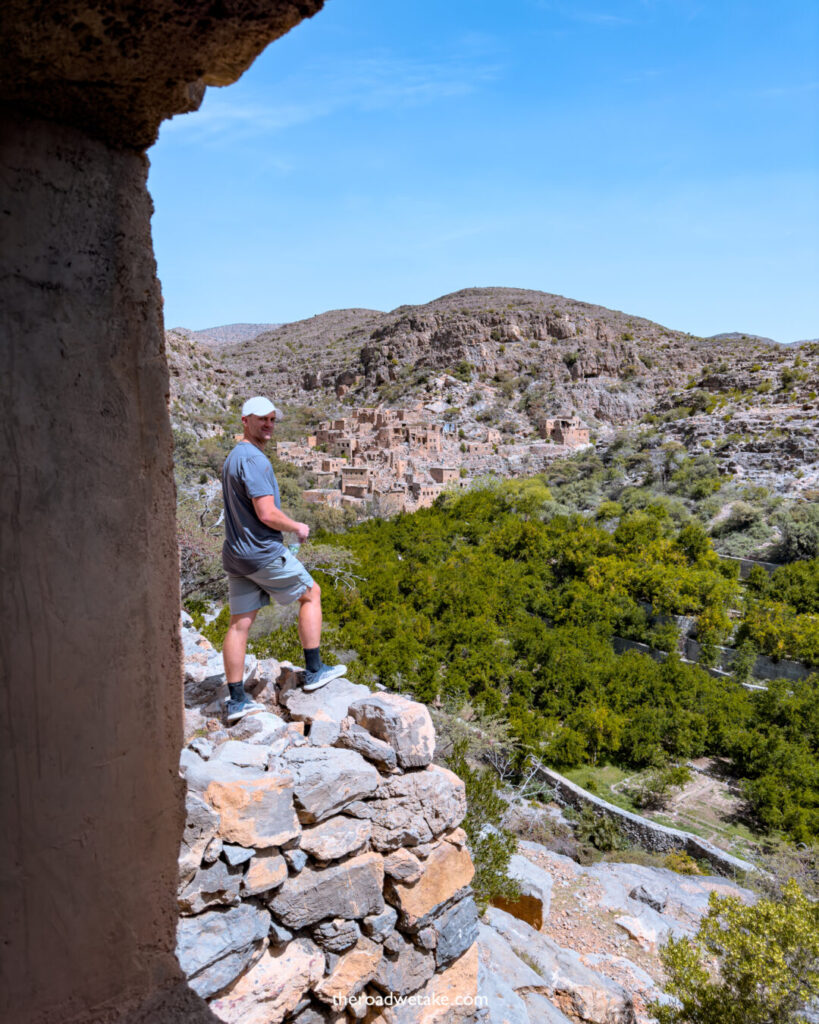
323, 873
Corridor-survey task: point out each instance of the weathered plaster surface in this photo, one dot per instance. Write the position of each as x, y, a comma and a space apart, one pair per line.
90, 802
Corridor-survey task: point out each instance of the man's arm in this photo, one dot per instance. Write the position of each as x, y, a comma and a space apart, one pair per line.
266, 511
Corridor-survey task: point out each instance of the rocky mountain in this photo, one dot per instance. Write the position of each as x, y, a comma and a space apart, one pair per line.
508, 358
227, 334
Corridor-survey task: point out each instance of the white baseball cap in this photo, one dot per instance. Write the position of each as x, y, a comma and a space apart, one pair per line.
260, 406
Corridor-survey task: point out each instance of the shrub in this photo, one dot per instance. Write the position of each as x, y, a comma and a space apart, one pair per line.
491, 846
757, 964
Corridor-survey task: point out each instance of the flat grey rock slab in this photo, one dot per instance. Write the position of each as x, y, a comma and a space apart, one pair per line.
201, 826
503, 1004
214, 948
245, 755
592, 996
352, 889
326, 780
214, 884
456, 929
354, 737
335, 838
403, 968
330, 702
260, 729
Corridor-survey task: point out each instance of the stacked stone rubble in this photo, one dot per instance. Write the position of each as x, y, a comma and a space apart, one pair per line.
322, 874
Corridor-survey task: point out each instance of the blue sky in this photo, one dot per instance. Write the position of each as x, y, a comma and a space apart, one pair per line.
656, 156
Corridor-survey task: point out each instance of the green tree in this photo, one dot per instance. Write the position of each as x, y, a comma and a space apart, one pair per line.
766, 961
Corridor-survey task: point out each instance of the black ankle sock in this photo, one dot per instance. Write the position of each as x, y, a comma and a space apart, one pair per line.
312, 659
237, 691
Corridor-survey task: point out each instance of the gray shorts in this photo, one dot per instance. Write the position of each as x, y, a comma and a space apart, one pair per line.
285, 579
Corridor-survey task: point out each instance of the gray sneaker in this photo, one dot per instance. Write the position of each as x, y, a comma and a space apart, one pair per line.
315, 680
236, 709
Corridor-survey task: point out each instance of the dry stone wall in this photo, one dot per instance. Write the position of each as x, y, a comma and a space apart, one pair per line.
323, 875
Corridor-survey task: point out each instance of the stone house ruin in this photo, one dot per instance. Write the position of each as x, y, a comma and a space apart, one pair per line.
568, 430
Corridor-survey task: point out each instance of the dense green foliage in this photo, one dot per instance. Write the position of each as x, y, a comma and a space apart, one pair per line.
479, 598
767, 959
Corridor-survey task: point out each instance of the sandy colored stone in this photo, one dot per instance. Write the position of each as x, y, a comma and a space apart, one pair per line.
352, 972
273, 987
266, 871
255, 812
335, 837
457, 837
447, 870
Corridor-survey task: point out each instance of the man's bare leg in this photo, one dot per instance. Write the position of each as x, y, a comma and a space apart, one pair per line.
317, 673
235, 646
310, 618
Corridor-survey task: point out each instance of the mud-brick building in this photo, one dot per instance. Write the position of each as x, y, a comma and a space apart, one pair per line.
444, 474
568, 430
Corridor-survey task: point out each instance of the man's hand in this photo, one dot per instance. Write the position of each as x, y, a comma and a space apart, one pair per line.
302, 531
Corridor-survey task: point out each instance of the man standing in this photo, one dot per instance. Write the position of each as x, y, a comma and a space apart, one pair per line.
258, 564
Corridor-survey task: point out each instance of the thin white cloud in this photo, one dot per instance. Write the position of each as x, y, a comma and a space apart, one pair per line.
376, 82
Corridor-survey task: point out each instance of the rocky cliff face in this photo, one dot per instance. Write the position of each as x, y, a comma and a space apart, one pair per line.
508, 358
322, 874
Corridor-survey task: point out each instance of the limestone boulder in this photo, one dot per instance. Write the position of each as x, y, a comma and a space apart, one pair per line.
404, 968
447, 871
273, 987
501, 961
351, 889
336, 837
354, 737
201, 826
267, 870
257, 812
326, 780
236, 855
503, 1004
351, 973
405, 724
324, 731
535, 884
214, 948
246, 755
212, 885
412, 809
330, 703
645, 932
653, 896
576, 990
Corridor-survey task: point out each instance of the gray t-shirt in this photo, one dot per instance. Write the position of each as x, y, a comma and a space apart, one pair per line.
249, 544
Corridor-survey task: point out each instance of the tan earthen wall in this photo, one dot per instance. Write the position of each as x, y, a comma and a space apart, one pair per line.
91, 804
90, 801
